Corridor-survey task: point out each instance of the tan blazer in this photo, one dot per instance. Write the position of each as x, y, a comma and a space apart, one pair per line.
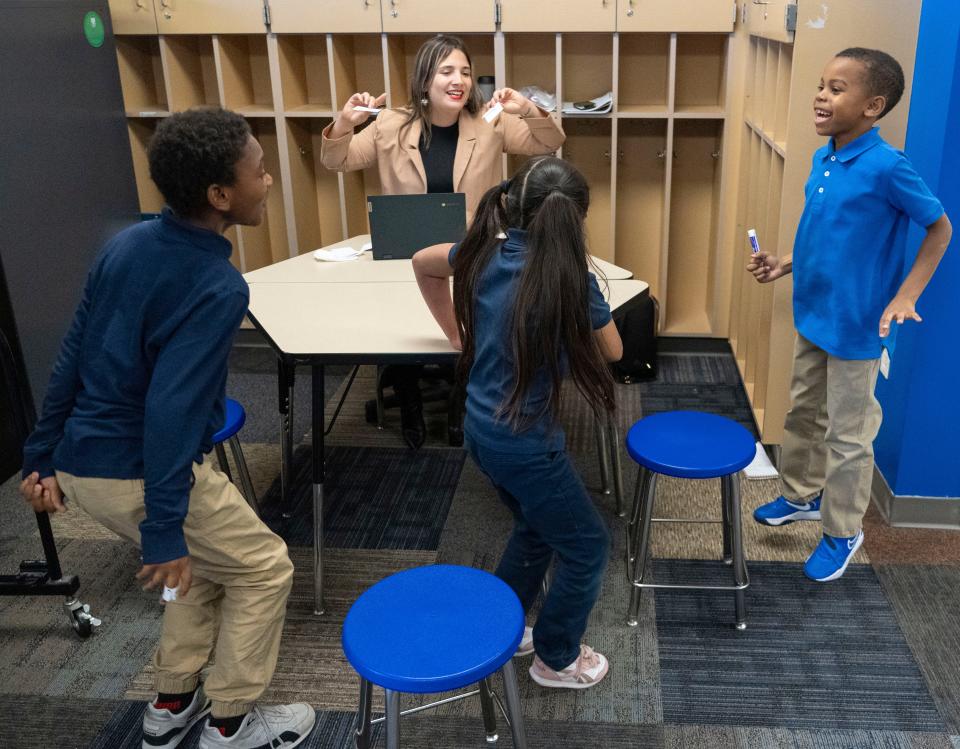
476, 166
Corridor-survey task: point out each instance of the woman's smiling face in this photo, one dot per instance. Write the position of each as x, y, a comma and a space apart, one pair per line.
451, 85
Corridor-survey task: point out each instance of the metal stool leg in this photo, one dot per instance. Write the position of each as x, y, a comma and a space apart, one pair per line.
222, 460
380, 371
615, 461
514, 710
642, 535
634, 521
362, 735
489, 712
603, 455
393, 718
725, 507
245, 482
731, 488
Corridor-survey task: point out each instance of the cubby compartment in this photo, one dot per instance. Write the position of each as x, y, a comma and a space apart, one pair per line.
694, 201
531, 60
588, 148
315, 191
784, 73
141, 130
700, 84
641, 147
402, 53
357, 66
643, 74
191, 71
267, 243
305, 74
245, 70
141, 76
587, 66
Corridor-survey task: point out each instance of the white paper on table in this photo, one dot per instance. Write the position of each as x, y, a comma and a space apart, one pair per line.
760, 467
337, 254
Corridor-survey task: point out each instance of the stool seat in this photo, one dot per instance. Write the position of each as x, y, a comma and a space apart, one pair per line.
433, 629
233, 422
690, 444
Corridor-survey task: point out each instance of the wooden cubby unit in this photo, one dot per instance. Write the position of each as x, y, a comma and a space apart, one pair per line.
586, 67
700, 67
315, 191
643, 85
267, 243
141, 76
141, 130
304, 65
357, 61
641, 176
695, 187
245, 72
190, 71
588, 148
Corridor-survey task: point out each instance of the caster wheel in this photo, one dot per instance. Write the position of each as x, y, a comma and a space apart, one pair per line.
81, 620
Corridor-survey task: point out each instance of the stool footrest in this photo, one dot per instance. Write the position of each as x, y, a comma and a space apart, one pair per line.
686, 520
438, 703
678, 586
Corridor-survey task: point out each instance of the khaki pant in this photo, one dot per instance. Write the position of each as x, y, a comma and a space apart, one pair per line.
236, 605
828, 435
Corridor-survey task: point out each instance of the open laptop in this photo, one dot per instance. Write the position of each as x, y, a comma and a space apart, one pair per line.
402, 224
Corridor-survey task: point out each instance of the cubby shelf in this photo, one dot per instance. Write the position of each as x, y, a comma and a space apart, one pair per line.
290, 86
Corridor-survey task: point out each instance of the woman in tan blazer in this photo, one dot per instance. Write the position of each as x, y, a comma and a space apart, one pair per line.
439, 142
442, 95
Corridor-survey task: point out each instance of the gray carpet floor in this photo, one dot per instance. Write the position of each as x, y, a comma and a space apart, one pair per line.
868, 662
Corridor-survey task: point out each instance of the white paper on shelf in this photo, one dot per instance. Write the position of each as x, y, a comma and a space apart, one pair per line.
760, 467
337, 254
600, 105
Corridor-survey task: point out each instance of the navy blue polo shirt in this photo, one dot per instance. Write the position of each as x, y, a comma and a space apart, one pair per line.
849, 252
491, 376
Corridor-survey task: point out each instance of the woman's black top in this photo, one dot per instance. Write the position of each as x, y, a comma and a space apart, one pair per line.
438, 157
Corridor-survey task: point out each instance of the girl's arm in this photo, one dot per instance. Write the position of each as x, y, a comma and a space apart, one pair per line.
608, 339
432, 268
934, 245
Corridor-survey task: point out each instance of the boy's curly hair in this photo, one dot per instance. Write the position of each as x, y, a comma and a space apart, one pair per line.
884, 74
192, 150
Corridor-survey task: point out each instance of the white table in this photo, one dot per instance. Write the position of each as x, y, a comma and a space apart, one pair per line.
356, 312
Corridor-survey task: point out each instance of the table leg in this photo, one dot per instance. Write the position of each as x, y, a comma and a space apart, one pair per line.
319, 469
285, 380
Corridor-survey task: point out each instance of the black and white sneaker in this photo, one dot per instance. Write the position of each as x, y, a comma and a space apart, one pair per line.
276, 727
164, 729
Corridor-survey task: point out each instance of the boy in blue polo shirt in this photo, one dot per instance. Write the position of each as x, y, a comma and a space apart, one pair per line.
849, 285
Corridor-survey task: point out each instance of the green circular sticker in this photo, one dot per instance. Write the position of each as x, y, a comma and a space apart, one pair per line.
93, 28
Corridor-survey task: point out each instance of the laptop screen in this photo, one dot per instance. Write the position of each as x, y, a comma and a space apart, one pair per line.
402, 224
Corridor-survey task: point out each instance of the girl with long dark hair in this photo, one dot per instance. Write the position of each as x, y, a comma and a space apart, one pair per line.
527, 313
437, 142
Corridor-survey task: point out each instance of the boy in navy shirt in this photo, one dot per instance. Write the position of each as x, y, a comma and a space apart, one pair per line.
849, 285
134, 399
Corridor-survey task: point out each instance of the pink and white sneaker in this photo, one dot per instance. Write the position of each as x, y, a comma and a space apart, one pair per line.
526, 643
589, 668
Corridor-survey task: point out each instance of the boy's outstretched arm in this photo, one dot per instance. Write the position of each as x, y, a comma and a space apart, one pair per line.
432, 268
903, 305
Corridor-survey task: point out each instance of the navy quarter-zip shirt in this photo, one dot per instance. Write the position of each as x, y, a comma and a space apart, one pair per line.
137, 391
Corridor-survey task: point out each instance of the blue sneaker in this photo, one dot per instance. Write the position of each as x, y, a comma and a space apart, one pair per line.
782, 511
831, 557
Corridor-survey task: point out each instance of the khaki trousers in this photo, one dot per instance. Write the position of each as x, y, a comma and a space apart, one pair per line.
828, 435
237, 603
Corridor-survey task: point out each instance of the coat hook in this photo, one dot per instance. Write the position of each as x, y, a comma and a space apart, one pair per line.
304, 151
661, 154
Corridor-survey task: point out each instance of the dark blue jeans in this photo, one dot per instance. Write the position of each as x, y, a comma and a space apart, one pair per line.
553, 514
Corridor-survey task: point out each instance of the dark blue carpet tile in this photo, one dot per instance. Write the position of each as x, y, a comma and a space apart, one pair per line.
687, 369
124, 730
374, 498
826, 656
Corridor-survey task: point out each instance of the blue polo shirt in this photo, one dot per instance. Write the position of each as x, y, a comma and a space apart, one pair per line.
491, 376
849, 252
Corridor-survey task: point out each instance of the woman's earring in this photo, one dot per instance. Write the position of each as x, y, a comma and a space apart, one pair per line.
425, 101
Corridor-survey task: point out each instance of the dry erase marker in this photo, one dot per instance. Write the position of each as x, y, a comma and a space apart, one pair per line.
754, 244
169, 594
371, 110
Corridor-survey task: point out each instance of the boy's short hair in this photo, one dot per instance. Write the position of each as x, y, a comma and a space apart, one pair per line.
192, 150
884, 74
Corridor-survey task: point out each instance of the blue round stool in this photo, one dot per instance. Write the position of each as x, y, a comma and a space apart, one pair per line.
434, 629
236, 417
690, 445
